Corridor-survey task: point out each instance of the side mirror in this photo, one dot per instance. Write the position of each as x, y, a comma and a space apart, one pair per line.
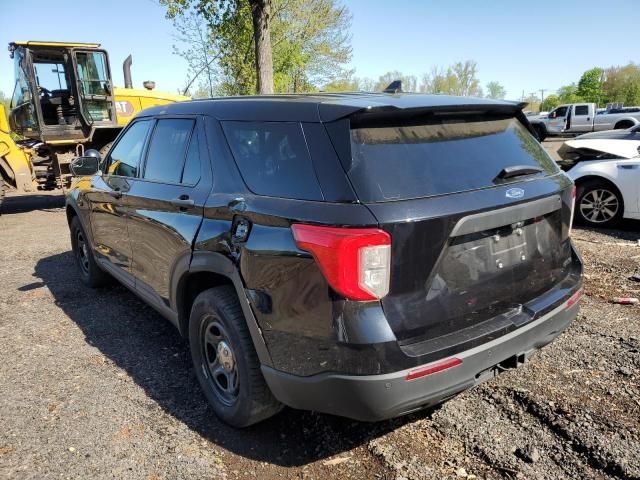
83, 166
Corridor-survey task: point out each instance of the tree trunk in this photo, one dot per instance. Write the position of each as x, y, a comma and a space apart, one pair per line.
261, 13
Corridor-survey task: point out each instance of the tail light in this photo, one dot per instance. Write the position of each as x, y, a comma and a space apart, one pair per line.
573, 207
355, 261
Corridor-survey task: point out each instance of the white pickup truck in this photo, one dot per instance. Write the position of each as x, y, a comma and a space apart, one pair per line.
578, 118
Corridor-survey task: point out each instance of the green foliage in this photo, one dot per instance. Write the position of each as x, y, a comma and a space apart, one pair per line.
6, 101
569, 94
550, 102
496, 91
622, 84
310, 42
590, 85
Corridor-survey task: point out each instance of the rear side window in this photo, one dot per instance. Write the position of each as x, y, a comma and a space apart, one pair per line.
273, 159
582, 110
124, 158
398, 162
167, 150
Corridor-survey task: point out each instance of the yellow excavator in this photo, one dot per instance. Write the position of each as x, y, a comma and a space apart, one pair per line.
63, 102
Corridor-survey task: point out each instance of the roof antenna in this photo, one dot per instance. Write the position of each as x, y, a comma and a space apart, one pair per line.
394, 87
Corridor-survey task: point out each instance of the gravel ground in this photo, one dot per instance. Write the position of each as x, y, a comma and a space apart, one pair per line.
96, 385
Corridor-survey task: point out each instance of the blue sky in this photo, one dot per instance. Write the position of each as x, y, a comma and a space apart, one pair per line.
523, 45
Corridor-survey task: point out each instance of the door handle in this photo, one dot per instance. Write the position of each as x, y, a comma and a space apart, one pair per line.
629, 166
115, 193
183, 201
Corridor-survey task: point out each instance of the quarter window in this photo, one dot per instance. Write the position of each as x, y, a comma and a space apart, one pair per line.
167, 150
124, 158
273, 159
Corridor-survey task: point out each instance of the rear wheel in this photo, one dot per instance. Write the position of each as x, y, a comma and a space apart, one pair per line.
598, 204
90, 273
225, 361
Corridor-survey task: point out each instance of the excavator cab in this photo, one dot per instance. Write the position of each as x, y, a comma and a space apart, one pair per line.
63, 91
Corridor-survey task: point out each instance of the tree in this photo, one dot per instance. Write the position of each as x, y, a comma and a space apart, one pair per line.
224, 17
533, 102
496, 91
622, 85
195, 48
458, 79
569, 94
310, 42
590, 86
550, 102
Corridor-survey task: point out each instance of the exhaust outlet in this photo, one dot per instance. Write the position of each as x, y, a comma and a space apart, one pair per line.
126, 70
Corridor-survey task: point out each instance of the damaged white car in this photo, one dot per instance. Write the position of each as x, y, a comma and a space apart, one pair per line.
606, 169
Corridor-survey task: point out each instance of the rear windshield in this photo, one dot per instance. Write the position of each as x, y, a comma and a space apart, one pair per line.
446, 155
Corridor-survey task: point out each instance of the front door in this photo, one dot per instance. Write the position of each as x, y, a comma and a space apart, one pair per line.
166, 203
557, 121
107, 196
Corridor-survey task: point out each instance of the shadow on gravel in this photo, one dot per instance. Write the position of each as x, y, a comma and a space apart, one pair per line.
150, 350
627, 230
29, 202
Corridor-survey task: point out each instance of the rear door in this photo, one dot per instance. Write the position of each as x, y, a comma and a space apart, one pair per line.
475, 244
108, 195
582, 119
166, 203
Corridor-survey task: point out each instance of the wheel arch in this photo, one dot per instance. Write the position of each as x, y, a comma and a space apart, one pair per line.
626, 122
205, 270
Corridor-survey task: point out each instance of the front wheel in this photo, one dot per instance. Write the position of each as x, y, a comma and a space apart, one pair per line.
598, 204
225, 361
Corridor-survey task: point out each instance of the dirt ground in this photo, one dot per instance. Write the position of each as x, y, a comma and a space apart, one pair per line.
93, 384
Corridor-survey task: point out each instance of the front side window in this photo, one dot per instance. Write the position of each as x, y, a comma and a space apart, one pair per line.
559, 112
167, 150
124, 158
273, 159
21, 100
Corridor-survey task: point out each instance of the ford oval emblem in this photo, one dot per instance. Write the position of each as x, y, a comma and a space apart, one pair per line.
515, 193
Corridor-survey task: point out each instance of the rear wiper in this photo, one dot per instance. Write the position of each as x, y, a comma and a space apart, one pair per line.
518, 171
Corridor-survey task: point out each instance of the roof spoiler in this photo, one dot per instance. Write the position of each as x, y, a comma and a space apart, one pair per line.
394, 87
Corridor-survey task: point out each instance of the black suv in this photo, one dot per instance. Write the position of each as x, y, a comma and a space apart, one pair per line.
364, 255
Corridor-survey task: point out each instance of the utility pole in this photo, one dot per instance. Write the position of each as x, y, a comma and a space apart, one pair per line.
542, 90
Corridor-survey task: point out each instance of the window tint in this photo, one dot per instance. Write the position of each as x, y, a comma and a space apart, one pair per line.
167, 149
191, 173
273, 159
445, 156
125, 156
582, 110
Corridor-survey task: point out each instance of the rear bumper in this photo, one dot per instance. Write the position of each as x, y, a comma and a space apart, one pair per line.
377, 397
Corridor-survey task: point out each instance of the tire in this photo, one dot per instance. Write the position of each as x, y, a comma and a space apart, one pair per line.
225, 361
623, 125
90, 273
598, 204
